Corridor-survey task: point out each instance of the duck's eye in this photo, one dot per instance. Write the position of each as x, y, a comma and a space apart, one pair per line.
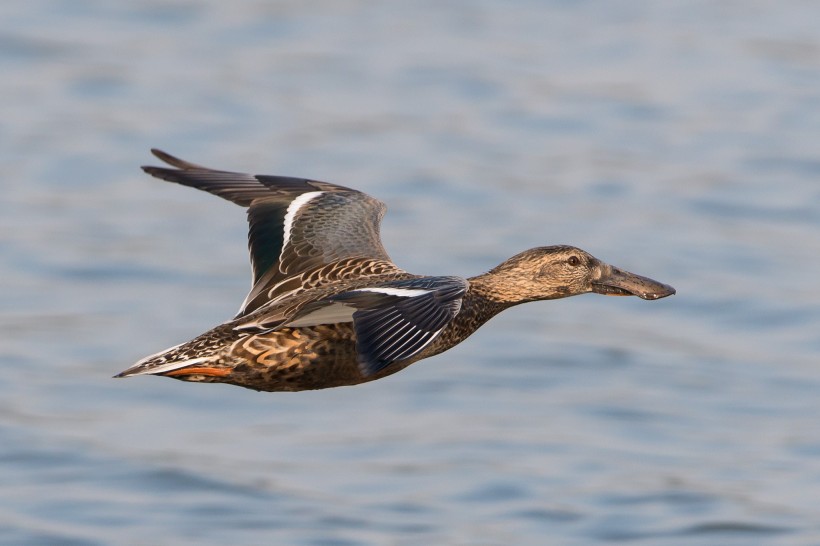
574, 261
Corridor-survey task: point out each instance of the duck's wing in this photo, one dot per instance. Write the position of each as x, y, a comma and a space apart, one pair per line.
397, 321
393, 321
297, 226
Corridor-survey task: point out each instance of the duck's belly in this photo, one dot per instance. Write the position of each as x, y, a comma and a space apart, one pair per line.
295, 359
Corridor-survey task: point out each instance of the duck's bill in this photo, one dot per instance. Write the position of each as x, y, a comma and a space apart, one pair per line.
617, 282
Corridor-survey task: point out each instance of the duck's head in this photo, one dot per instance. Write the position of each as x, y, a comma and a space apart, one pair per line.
551, 272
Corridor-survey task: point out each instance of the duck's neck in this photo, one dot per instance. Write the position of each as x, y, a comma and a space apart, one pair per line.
486, 298
499, 289
485, 288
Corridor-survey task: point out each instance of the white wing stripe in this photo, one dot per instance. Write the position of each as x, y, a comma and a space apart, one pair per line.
404, 292
290, 215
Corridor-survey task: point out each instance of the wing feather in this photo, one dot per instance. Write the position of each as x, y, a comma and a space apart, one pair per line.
296, 225
396, 321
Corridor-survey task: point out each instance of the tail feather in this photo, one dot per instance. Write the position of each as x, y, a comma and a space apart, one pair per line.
165, 361
209, 347
159, 367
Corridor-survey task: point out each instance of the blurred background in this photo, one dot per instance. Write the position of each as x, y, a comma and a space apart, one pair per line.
679, 140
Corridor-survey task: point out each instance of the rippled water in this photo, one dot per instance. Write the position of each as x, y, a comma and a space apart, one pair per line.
677, 139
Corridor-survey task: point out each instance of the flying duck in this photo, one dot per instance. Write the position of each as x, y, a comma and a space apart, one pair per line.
328, 307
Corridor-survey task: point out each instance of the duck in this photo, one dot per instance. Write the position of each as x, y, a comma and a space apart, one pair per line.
328, 307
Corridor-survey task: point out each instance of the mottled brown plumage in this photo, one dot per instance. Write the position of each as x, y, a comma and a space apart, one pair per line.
329, 308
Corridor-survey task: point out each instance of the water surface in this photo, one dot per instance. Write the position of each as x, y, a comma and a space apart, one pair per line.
678, 140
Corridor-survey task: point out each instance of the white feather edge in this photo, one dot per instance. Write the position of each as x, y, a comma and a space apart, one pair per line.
162, 368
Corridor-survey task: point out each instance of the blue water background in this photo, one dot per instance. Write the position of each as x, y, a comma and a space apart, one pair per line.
679, 140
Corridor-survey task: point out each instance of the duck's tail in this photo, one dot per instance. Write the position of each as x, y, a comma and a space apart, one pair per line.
200, 356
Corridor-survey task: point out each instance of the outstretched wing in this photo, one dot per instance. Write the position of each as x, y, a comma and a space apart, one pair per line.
393, 321
296, 225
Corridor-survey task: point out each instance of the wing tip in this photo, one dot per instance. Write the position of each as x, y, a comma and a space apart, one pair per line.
174, 161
